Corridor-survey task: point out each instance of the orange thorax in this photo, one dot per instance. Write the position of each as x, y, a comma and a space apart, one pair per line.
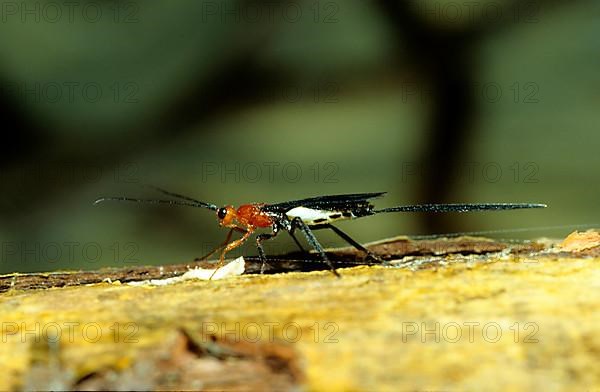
251, 215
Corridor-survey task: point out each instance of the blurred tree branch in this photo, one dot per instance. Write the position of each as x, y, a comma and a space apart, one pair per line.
446, 59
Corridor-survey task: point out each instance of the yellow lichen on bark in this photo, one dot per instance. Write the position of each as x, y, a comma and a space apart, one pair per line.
503, 324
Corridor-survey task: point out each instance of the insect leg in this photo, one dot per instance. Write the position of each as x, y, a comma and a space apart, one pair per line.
312, 240
291, 233
261, 252
227, 239
349, 240
231, 246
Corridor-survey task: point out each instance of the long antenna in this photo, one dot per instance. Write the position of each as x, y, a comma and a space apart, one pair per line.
189, 202
461, 207
156, 201
177, 195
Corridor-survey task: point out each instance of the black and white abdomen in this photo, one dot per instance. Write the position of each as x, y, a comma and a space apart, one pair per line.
313, 217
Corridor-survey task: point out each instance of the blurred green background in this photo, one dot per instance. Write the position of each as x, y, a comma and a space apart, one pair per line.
241, 101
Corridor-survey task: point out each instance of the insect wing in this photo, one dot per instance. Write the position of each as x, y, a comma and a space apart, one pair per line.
331, 203
325, 209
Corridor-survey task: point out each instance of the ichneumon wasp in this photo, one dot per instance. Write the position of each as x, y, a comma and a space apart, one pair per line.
305, 215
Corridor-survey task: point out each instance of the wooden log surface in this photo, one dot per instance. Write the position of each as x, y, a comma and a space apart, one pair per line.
447, 313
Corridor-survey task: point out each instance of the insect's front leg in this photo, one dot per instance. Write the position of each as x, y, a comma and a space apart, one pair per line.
312, 240
222, 245
232, 245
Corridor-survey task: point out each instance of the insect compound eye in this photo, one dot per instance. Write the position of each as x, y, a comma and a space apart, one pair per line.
222, 212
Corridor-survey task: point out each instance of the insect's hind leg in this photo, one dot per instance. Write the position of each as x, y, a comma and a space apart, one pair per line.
312, 240
261, 252
291, 233
349, 240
